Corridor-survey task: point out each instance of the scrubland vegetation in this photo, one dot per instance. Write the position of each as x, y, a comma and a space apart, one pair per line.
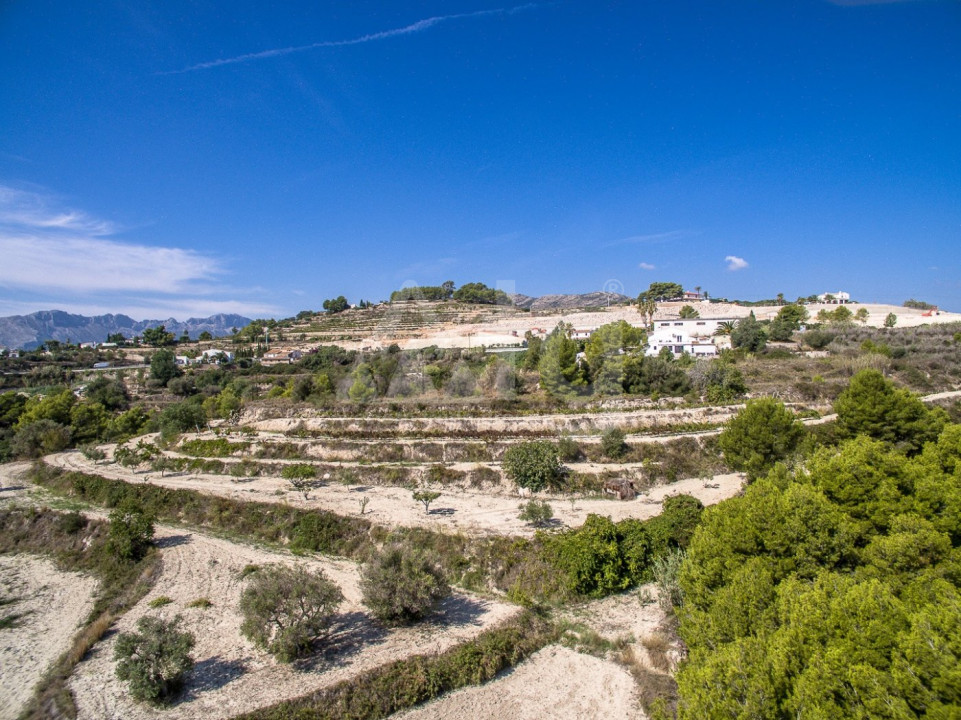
828, 588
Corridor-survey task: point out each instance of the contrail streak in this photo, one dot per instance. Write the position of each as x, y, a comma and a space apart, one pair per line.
416, 27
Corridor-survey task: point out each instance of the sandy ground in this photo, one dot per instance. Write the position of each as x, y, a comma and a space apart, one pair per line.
455, 509
555, 683
509, 329
54, 603
230, 675
559, 683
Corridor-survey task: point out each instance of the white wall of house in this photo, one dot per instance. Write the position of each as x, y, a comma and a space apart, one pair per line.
693, 336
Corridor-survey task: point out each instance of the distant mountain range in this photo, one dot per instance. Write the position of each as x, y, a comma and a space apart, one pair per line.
30, 331
569, 302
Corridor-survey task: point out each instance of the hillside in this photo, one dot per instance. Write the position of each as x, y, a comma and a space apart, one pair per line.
569, 302
29, 331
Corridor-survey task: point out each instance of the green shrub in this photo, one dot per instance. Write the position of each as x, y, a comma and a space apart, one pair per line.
569, 450
287, 609
72, 523
215, 448
131, 530
155, 659
535, 512
612, 443
533, 465
402, 585
160, 601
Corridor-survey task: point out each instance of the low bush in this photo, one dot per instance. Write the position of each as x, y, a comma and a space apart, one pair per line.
155, 659
287, 609
402, 585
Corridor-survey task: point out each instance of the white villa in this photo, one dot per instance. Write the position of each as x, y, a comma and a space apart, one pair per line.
837, 298
694, 336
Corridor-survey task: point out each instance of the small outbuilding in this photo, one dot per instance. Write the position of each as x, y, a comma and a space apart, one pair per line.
621, 487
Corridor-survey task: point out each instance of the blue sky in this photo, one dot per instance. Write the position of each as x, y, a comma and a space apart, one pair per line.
184, 158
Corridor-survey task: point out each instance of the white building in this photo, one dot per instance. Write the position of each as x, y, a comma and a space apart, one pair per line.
215, 355
693, 336
838, 298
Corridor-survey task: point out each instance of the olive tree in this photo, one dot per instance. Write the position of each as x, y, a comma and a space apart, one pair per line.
301, 476
155, 659
402, 585
286, 609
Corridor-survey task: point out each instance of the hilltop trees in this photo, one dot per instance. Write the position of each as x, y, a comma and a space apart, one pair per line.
661, 291
157, 336
473, 292
336, 305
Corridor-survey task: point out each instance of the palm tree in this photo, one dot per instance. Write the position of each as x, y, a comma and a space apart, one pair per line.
725, 328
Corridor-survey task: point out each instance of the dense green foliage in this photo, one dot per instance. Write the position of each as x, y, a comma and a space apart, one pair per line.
832, 592
612, 443
763, 433
535, 512
661, 291
873, 406
131, 530
479, 293
402, 585
787, 321
560, 372
602, 557
336, 305
533, 465
155, 659
748, 334
287, 609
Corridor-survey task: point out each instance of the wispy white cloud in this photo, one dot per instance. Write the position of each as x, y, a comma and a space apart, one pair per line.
88, 264
735, 263
646, 266
416, 27
66, 259
28, 210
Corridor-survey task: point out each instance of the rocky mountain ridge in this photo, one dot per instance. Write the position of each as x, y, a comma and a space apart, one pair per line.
30, 331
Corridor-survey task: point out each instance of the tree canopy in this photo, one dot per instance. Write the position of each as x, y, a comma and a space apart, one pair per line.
871, 405
763, 433
336, 305
661, 291
831, 592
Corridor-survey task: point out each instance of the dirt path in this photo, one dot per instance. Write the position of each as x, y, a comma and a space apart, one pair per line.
51, 605
472, 512
231, 676
555, 683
